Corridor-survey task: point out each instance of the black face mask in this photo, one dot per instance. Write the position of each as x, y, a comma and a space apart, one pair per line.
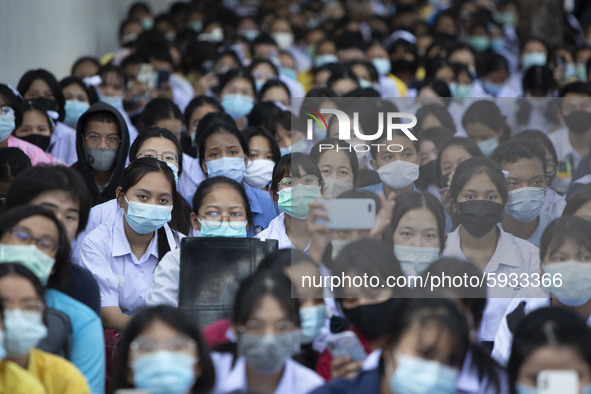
371, 320
444, 180
480, 216
401, 66
428, 174
578, 122
42, 141
45, 104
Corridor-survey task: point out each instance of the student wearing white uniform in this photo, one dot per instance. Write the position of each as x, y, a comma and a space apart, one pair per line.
550, 339
163, 351
526, 185
123, 254
566, 261
221, 210
154, 142
266, 323
554, 203
572, 141
478, 197
296, 183
78, 100
425, 344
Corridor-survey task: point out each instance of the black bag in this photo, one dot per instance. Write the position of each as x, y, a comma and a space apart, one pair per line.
211, 270
59, 334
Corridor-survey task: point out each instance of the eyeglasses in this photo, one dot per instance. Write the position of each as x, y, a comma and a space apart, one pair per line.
169, 157
25, 306
93, 140
551, 169
306, 180
255, 327
235, 219
179, 343
6, 111
45, 244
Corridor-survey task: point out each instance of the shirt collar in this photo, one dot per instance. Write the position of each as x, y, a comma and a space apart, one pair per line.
255, 207
121, 245
502, 253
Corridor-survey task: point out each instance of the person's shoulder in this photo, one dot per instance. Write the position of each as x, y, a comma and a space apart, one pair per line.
364, 382
63, 302
17, 380
59, 369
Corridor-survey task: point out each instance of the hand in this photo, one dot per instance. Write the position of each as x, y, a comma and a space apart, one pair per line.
384, 216
344, 367
205, 83
319, 234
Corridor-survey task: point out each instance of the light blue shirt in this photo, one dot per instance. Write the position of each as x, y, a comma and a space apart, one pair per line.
191, 178
88, 344
124, 281
379, 187
262, 207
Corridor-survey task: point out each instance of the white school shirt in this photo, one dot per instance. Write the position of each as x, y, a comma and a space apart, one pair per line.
554, 203
296, 378
63, 143
191, 178
564, 149
276, 230
124, 281
504, 338
165, 286
512, 256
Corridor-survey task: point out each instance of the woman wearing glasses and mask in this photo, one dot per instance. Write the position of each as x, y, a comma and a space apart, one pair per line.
157, 143
220, 209
296, 183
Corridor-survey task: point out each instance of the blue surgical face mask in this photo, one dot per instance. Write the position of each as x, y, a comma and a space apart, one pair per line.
382, 66
210, 228
2, 346
285, 150
497, 44
24, 330
569, 72
237, 105
147, 23
31, 257
196, 26
259, 83
6, 126
300, 146
525, 204
250, 35
416, 375
576, 276
146, 218
488, 146
533, 59
295, 201
230, 167
312, 318
74, 109
321, 60
164, 372
288, 72
114, 101
581, 72
415, 260
479, 43
460, 90
491, 88
522, 389
175, 171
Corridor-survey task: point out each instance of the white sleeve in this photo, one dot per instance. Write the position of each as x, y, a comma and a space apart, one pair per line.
165, 287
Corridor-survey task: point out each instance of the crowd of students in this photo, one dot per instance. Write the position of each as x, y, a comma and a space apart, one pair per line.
197, 126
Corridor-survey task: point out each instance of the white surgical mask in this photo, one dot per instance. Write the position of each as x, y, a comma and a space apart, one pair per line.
337, 246
399, 174
525, 204
259, 173
574, 290
415, 260
333, 187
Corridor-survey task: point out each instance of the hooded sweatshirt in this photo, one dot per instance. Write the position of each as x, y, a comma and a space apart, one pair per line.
86, 170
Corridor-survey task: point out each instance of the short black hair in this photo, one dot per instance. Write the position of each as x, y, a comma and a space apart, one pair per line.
566, 227
473, 166
513, 150
289, 165
83, 59
13, 161
485, 112
219, 127
159, 108
576, 87
250, 132
30, 76
39, 179
197, 102
579, 198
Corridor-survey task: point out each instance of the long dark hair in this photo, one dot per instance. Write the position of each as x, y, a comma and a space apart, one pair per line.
30, 76
179, 321
60, 276
134, 174
545, 327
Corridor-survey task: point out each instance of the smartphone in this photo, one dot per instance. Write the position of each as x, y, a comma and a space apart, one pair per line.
146, 75
349, 213
558, 382
163, 77
345, 344
208, 67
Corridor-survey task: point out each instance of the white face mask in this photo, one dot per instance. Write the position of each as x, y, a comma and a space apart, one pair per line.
415, 260
399, 174
24, 330
283, 39
334, 187
574, 290
259, 173
337, 246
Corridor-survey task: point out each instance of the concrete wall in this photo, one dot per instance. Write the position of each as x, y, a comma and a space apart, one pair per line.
52, 34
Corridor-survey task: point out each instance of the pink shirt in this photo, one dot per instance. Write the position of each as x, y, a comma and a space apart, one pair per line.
36, 154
